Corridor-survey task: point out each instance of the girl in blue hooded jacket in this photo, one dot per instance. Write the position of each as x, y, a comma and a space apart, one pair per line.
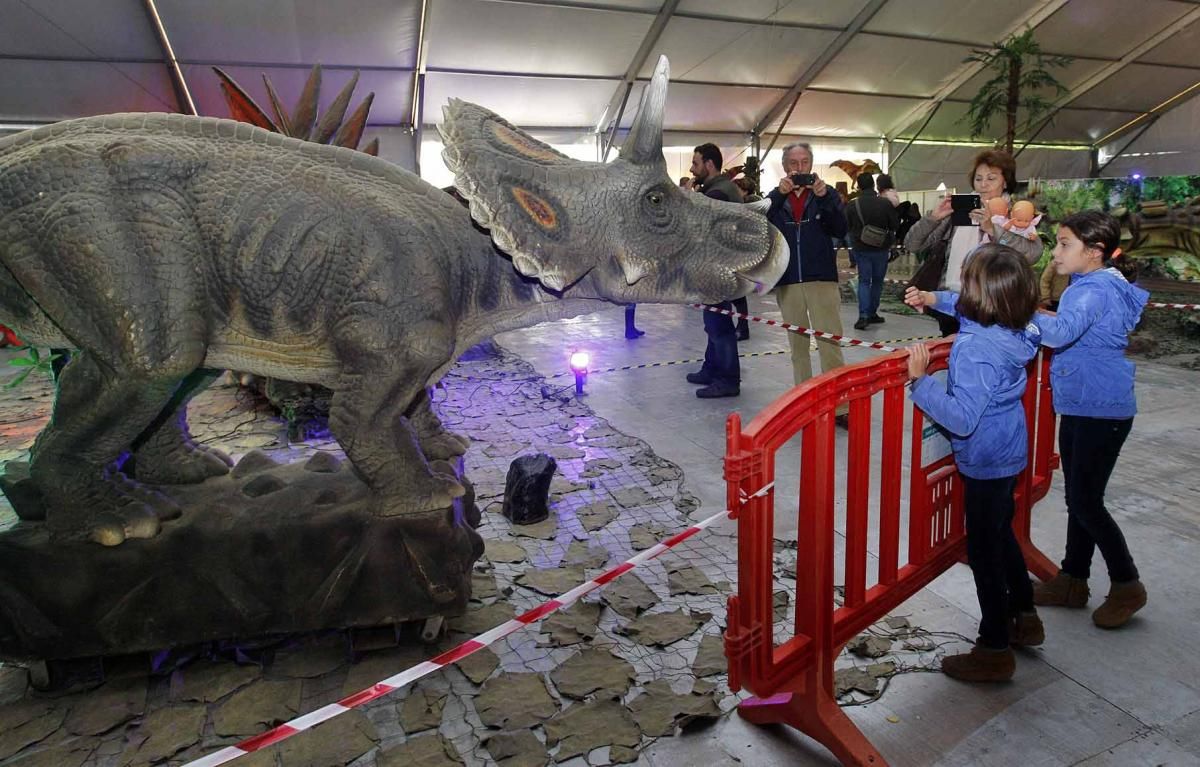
981, 408
1092, 382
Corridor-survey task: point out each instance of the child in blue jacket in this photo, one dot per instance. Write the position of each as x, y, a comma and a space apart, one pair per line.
1093, 394
981, 408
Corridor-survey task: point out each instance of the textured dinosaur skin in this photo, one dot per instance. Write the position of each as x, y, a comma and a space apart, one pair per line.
166, 247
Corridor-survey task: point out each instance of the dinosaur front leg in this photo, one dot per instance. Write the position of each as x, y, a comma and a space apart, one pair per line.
97, 414
165, 453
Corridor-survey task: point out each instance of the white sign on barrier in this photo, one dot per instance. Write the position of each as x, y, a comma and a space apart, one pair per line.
935, 441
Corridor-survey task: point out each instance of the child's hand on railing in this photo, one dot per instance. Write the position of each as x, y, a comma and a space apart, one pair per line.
918, 360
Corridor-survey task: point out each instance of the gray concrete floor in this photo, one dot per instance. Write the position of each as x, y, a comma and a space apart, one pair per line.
1129, 697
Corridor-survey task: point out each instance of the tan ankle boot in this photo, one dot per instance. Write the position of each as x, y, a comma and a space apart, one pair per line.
981, 664
1124, 599
1026, 630
1062, 591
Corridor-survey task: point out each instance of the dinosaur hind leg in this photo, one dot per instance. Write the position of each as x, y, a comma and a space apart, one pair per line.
437, 442
97, 414
165, 453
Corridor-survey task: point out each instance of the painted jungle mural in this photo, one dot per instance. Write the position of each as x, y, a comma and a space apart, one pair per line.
1160, 217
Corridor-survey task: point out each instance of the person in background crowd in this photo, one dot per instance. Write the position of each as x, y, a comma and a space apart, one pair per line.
1092, 381
993, 174
721, 372
1052, 286
844, 242
869, 209
810, 216
749, 191
887, 189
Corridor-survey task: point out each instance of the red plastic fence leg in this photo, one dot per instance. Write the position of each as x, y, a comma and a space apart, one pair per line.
815, 713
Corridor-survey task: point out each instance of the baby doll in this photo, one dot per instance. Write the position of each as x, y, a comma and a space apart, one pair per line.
1023, 221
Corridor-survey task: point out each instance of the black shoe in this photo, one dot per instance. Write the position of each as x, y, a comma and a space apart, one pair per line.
718, 389
842, 421
875, 319
702, 377
632, 333
744, 334
861, 324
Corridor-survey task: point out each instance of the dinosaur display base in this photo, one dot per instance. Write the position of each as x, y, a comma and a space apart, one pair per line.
269, 549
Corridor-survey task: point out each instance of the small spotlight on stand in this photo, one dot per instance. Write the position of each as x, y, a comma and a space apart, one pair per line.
579, 366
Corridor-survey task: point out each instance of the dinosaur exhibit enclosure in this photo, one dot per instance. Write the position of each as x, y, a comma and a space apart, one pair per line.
299, 283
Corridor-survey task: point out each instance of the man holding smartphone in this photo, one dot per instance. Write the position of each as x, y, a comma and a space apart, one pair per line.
811, 216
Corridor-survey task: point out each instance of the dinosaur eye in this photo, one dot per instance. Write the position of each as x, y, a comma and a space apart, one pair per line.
655, 198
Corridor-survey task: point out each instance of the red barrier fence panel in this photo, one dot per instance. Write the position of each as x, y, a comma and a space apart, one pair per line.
792, 676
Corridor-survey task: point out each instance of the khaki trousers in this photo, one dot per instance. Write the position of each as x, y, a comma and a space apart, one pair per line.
812, 305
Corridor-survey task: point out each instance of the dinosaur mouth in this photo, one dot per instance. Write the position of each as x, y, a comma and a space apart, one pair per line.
763, 275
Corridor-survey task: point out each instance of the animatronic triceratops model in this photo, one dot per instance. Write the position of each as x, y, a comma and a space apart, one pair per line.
163, 247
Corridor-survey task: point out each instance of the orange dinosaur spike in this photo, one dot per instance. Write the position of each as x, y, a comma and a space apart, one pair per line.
372, 148
281, 116
306, 106
332, 118
241, 107
351, 131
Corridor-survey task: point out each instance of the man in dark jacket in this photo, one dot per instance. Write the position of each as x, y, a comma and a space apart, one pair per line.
811, 217
721, 373
869, 209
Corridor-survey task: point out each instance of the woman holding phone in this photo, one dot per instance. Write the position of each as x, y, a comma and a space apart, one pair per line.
993, 174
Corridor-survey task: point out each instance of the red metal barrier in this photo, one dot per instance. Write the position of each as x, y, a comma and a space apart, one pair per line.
793, 680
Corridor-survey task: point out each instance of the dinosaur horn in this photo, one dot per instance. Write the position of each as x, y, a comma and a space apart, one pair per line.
644, 143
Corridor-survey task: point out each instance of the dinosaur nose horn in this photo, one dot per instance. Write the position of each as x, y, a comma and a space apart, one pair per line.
644, 143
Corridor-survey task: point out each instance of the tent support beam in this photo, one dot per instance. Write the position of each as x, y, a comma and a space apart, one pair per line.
813, 71
1125, 148
635, 65
418, 96
183, 97
893, 160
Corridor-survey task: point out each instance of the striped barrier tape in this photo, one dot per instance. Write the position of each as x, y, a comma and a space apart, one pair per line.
392, 683
839, 340
646, 365
1150, 305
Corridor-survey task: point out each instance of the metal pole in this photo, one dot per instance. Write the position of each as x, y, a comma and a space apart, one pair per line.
183, 96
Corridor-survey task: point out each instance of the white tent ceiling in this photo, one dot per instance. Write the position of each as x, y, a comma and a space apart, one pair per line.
863, 69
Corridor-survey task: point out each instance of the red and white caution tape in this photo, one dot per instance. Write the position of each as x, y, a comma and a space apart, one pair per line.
392, 683
840, 340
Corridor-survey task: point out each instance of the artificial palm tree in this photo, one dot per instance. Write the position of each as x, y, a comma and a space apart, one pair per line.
1019, 83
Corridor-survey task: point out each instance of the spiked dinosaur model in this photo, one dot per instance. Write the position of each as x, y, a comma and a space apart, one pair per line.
164, 247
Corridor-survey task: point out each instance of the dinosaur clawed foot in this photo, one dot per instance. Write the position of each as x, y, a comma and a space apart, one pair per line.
187, 464
107, 511
444, 446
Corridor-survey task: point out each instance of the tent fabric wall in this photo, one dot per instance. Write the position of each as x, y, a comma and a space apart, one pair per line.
1169, 148
925, 166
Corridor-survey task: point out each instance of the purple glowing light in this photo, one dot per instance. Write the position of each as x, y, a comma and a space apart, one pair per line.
579, 361
1137, 176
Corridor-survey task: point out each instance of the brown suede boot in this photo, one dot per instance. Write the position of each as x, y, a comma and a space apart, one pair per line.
981, 664
1062, 591
1026, 630
1124, 599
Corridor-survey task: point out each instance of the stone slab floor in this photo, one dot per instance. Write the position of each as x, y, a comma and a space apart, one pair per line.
639, 457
